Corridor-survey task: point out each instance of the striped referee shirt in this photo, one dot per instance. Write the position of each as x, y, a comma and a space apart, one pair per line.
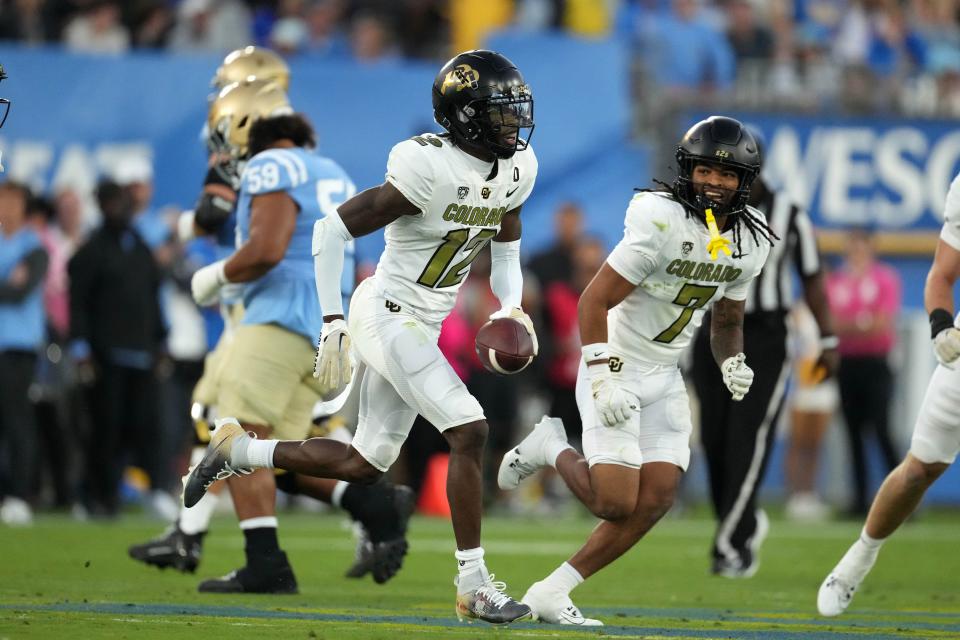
772, 290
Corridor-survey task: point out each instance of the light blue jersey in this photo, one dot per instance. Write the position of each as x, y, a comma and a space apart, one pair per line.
287, 294
21, 323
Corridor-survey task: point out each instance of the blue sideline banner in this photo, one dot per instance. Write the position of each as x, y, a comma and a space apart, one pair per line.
77, 117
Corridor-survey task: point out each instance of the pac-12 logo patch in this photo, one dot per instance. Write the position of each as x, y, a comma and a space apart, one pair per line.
462, 192
686, 248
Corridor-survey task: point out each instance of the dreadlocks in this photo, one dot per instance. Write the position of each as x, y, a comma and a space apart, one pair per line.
756, 224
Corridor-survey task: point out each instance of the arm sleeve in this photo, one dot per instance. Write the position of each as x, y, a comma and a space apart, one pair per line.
36, 263
410, 170
951, 216
636, 255
330, 241
506, 277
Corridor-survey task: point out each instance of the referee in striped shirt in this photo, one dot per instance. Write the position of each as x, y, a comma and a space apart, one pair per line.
737, 436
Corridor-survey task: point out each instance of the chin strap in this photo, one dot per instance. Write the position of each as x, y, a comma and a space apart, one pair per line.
717, 243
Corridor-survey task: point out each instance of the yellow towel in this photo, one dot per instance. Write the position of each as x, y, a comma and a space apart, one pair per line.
717, 243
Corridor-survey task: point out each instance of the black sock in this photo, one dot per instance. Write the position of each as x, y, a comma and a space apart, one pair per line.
373, 507
261, 541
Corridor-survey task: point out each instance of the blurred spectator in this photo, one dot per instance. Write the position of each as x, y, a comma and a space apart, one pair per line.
812, 406
136, 175
23, 265
683, 50
211, 25
556, 263
53, 393
117, 352
153, 21
370, 38
424, 27
41, 215
324, 35
562, 336
749, 39
865, 301
97, 29
538, 15
290, 32
851, 42
26, 21
937, 23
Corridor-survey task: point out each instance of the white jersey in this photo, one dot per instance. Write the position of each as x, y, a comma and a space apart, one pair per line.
664, 253
427, 256
951, 216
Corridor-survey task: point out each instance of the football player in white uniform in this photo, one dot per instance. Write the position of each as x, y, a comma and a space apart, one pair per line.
444, 199
936, 434
694, 244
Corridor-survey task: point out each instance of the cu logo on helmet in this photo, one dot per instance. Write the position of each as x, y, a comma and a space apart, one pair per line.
460, 77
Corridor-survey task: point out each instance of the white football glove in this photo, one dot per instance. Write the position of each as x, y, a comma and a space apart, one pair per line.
737, 375
332, 366
946, 345
613, 403
518, 314
186, 231
206, 283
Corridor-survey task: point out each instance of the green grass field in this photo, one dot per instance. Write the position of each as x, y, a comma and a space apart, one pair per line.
68, 580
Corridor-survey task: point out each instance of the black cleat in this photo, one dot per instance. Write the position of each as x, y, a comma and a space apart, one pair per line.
267, 574
383, 544
363, 555
173, 548
215, 464
388, 559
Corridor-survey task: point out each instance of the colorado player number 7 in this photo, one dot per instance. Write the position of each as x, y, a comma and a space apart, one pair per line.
691, 297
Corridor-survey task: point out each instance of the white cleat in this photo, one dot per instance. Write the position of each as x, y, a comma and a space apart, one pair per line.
16, 512
835, 595
526, 458
554, 607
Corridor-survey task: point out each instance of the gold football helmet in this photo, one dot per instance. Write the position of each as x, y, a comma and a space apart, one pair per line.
252, 62
234, 111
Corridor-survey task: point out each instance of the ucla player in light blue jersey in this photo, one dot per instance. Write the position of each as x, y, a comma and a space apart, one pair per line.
266, 377
380, 513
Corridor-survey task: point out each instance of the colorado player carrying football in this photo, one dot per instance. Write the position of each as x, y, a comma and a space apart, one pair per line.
671, 264
936, 434
444, 199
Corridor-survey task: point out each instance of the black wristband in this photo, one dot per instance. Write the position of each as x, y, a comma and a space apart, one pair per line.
940, 319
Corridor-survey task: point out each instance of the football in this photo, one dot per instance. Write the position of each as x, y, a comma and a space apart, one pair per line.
504, 346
